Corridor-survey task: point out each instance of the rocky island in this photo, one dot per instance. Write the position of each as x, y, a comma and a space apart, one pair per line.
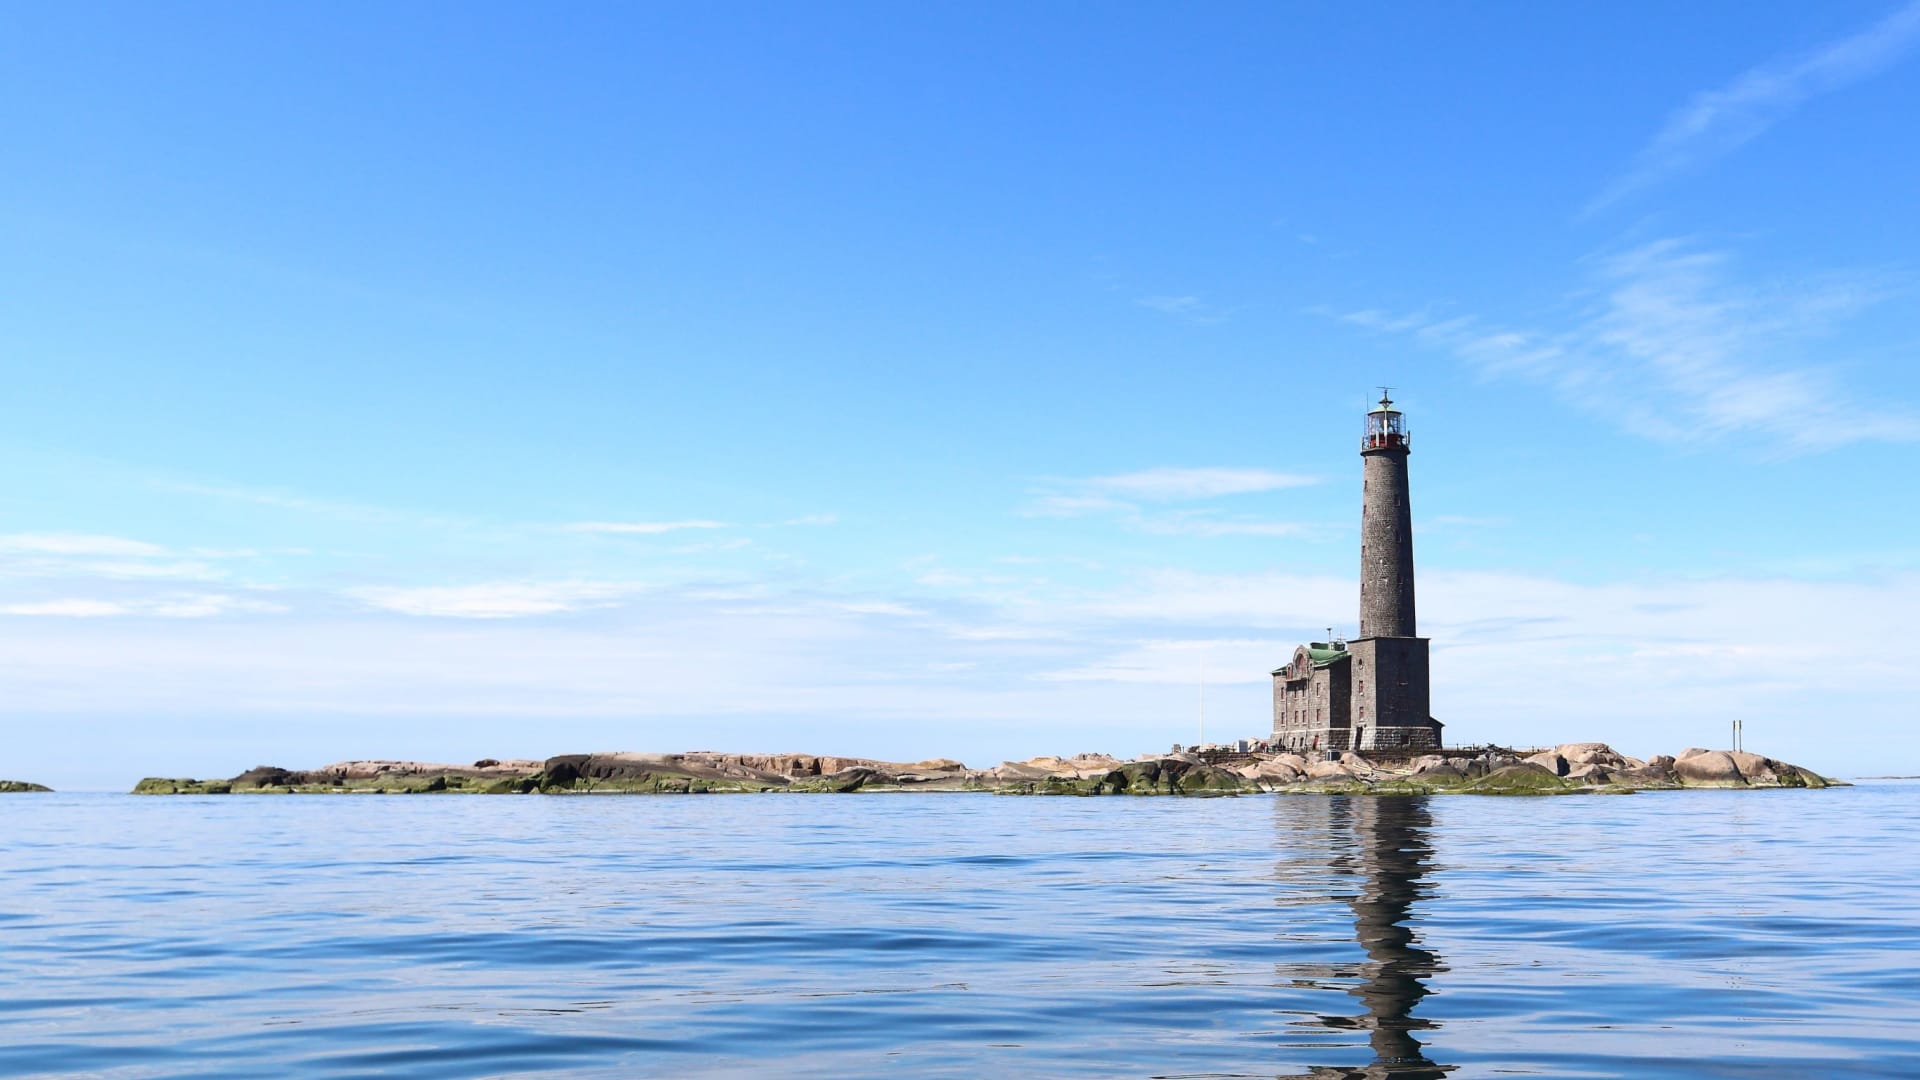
1349, 718
9, 787
1572, 768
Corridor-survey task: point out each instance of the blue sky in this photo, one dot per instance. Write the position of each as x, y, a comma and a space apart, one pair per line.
463, 380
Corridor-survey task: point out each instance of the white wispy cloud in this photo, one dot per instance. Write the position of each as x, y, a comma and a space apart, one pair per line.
87, 555
1650, 665
1184, 662
496, 600
1059, 505
639, 528
1208, 525
1669, 343
881, 607
1172, 305
319, 506
1717, 121
1120, 496
78, 544
1190, 308
731, 544
76, 609
1444, 523
176, 606
1174, 483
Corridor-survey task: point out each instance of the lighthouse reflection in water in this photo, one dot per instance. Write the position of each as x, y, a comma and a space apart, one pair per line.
1380, 857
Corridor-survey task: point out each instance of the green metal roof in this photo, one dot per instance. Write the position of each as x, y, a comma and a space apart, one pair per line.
1322, 657
1319, 654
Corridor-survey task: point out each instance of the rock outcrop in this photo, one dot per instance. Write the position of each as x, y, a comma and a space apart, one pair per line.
488, 775
1736, 768
14, 787
1568, 769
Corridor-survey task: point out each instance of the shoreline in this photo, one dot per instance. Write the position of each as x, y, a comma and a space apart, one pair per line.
1569, 769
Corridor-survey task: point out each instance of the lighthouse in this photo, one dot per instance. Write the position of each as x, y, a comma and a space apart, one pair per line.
1386, 525
1370, 693
1390, 687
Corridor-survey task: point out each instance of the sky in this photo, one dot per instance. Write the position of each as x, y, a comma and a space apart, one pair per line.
441, 381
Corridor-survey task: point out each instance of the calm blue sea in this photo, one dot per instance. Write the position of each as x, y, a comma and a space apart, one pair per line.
1689, 934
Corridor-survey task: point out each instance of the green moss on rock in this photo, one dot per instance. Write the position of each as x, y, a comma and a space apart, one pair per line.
160, 785
1525, 778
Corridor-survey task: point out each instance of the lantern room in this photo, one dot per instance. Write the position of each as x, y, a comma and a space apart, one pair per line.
1386, 426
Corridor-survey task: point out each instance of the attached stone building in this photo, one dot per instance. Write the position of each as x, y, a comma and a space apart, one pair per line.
1312, 698
1371, 693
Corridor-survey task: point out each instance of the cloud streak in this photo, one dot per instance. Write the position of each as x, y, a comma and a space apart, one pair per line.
1668, 344
90, 556
1168, 483
338, 509
638, 528
1718, 121
1191, 309
78, 544
1058, 664
180, 606
496, 600
1119, 497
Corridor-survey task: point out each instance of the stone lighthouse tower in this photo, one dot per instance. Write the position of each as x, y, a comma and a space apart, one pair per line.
1390, 684
1386, 526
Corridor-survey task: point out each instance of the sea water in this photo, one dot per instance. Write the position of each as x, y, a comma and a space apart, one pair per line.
1683, 934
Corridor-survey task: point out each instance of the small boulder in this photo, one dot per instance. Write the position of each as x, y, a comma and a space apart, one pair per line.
852, 778
1754, 769
1646, 776
1440, 770
1590, 753
1707, 768
1209, 780
1008, 771
262, 776
1549, 760
1589, 774
1271, 773
1330, 770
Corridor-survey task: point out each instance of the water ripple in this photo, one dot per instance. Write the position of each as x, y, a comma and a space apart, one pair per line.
1682, 935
